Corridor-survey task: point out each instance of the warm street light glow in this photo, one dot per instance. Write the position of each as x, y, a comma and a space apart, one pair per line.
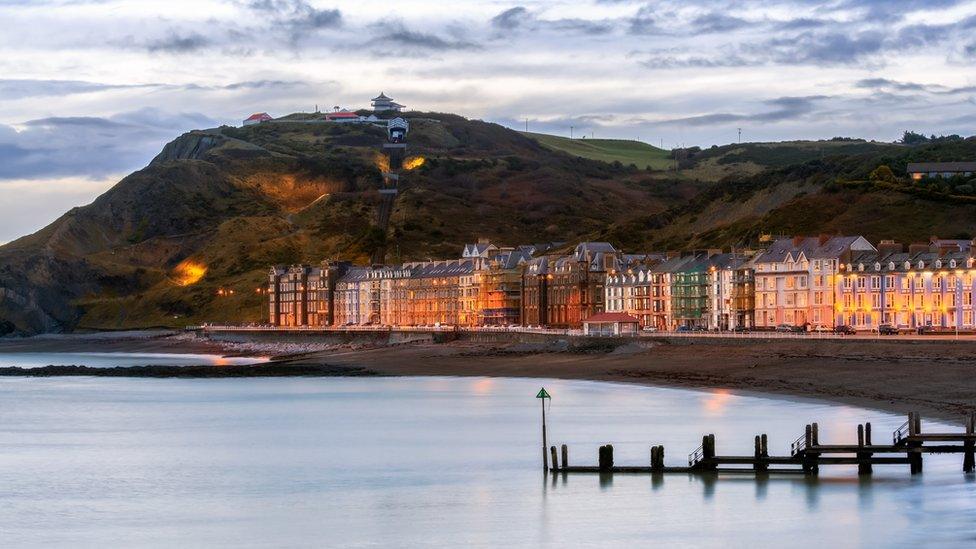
188, 272
413, 163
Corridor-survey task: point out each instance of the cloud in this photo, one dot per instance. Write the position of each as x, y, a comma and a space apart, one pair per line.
90, 146
297, 19
717, 22
784, 108
398, 40
520, 18
818, 48
175, 42
510, 19
895, 85
14, 88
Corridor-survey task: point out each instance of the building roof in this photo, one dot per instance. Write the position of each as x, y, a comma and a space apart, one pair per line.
259, 116
342, 114
813, 248
611, 317
382, 97
923, 167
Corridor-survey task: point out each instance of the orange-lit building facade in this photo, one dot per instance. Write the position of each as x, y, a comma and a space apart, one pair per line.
927, 287
562, 291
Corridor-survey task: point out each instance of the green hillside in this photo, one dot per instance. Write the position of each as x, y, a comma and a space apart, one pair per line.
625, 151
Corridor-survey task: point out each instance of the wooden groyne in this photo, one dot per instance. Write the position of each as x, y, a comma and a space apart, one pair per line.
909, 443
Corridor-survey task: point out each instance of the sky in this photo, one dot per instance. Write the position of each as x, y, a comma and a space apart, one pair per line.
92, 89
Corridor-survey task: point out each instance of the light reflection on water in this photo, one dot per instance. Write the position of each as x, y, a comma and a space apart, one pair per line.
110, 360
422, 462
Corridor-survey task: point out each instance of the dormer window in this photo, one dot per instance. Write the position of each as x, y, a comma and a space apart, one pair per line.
877, 266
860, 267
952, 263
891, 265
921, 264
908, 265
938, 263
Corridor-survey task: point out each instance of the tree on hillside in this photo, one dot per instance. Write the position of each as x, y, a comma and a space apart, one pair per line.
882, 173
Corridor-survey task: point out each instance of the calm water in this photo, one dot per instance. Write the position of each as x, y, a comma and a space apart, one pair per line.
109, 360
433, 462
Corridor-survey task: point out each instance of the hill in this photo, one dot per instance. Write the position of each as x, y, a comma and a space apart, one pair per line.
169, 244
833, 193
624, 151
190, 237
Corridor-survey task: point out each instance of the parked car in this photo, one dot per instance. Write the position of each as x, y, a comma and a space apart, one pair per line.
845, 329
887, 329
683, 329
649, 329
740, 329
785, 328
820, 328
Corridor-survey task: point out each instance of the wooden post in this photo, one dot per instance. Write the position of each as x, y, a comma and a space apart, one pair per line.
809, 457
816, 435
565, 456
606, 457
765, 445
918, 423
969, 446
555, 460
867, 433
864, 457
657, 458
759, 465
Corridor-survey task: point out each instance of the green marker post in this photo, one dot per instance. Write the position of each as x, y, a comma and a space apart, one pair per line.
542, 395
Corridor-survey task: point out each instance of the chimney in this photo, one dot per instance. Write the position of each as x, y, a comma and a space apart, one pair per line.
714, 251
886, 247
797, 240
917, 248
672, 255
822, 239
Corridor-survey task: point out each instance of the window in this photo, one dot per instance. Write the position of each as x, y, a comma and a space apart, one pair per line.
860, 283
847, 283
889, 300
889, 282
951, 283
875, 301
875, 282
904, 283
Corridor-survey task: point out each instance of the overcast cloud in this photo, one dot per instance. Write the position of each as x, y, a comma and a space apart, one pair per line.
93, 89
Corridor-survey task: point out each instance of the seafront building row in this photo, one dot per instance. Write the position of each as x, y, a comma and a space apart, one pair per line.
803, 282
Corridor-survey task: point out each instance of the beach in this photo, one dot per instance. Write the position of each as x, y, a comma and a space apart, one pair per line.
936, 378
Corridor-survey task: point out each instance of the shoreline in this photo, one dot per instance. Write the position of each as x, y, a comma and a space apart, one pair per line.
935, 379
934, 382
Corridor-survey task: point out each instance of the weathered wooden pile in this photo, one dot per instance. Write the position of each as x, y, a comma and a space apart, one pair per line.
909, 443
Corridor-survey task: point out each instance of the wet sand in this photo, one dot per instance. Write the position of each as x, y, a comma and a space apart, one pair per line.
936, 378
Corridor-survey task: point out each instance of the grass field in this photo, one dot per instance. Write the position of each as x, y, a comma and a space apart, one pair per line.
608, 150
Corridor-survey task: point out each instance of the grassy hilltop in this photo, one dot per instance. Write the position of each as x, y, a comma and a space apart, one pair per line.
624, 151
223, 204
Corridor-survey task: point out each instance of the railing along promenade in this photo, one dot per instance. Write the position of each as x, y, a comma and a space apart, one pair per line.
714, 334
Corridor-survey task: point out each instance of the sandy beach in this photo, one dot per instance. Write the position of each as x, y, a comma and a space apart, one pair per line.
937, 378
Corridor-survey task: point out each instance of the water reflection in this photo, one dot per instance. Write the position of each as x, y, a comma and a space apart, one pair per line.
435, 462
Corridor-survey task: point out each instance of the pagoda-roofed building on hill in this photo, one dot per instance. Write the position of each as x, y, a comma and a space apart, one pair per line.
382, 103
